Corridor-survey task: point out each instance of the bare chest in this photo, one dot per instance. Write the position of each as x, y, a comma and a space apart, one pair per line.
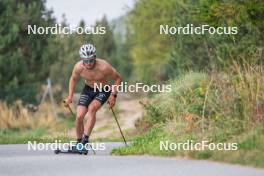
93, 75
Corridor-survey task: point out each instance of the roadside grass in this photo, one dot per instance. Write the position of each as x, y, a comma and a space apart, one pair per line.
220, 108
250, 147
19, 125
18, 117
130, 135
23, 137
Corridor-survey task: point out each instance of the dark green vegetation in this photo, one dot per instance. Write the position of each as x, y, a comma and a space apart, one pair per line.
219, 108
26, 61
217, 80
166, 56
24, 136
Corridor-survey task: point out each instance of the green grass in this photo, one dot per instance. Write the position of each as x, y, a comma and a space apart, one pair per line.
219, 108
22, 137
45, 134
146, 144
250, 146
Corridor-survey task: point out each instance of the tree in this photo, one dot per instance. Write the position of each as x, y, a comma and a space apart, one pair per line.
105, 43
157, 57
24, 59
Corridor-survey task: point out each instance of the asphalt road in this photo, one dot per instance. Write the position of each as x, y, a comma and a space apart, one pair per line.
17, 160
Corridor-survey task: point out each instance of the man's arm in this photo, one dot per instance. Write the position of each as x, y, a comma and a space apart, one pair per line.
72, 82
117, 79
114, 75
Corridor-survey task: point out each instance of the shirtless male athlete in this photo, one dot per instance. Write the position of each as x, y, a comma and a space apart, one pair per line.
94, 71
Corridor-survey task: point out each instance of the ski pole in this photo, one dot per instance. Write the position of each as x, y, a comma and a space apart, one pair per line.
119, 126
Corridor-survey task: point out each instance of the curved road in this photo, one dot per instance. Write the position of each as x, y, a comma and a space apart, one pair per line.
17, 160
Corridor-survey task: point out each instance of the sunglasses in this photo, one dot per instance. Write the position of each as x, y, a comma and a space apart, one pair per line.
88, 61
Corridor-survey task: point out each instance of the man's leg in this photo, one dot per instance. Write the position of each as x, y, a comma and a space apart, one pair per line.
92, 109
81, 111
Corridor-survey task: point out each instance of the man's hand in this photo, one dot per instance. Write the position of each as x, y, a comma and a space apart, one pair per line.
67, 101
111, 101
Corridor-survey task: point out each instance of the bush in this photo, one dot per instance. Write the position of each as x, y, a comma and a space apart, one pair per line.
224, 100
220, 107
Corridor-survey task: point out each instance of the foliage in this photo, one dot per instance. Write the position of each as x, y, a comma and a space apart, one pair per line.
169, 55
24, 59
219, 107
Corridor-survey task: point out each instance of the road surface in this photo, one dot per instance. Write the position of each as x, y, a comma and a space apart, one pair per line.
17, 160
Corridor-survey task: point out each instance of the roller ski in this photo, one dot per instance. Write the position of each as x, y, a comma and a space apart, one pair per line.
79, 148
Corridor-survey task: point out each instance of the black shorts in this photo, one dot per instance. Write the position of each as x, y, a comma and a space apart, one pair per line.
88, 95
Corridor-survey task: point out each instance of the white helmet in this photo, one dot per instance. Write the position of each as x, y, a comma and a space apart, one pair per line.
87, 51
